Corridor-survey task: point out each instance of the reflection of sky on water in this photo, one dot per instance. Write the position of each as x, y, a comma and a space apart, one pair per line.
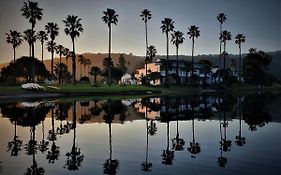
260, 154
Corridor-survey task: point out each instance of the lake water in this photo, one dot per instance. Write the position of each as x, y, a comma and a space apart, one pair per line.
156, 135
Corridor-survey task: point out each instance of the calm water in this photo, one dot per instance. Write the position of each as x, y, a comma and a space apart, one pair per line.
167, 135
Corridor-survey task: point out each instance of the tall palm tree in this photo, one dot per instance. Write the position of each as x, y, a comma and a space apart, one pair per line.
95, 71
73, 28
28, 38
59, 50
225, 36
32, 12
42, 36
167, 26
87, 62
145, 16
239, 39
151, 53
81, 60
52, 29
177, 39
193, 33
15, 39
110, 17
221, 18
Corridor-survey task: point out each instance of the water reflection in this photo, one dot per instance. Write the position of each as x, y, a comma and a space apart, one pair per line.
160, 118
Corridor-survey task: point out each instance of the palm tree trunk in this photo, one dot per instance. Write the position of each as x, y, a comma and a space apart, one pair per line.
80, 69
146, 45
224, 56
73, 63
109, 55
220, 45
177, 66
60, 69
14, 54
42, 51
192, 61
29, 50
110, 142
240, 63
167, 64
32, 45
52, 57
95, 79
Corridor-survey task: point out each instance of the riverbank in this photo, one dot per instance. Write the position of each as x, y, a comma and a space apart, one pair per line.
16, 92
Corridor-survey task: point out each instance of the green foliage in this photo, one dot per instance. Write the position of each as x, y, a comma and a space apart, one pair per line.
61, 68
22, 68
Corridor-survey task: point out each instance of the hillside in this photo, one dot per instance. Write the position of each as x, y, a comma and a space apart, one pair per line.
134, 62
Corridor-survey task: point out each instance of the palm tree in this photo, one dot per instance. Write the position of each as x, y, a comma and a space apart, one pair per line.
145, 16
66, 54
221, 18
52, 29
60, 50
42, 36
194, 146
73, 28
28, 38
32, 12
193, 32
15, 39
206, 68
81, 60
95, 71
177, 39
110, 17
151, 53
87, 62
239, 39
167, 26
225, 36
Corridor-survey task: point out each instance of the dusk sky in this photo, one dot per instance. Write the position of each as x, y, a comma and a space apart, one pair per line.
258, 20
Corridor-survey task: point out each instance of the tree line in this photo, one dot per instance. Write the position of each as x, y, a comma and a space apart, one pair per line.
73, 28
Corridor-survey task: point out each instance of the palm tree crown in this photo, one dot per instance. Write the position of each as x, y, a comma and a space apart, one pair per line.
42, 36
225, 35
28, 36
145, 15
110, 17
239, 39
167, 25
193, 32
177, 38
73, 26
151, 52
221, 18
52, 29
32, 12
15, 39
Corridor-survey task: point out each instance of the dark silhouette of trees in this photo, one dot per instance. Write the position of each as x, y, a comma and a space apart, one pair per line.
81, 60
206, 68
178, 142
122, 64
177, 39
61, 68
146, 166
15, 39
28, 37
195, 147
193, 33
145, 16
95, 71
110, 17
32, 12
167, 25
239, 39
23, 68
43, 144
73, 28
240, 140
52, 29
42, 36
255, 68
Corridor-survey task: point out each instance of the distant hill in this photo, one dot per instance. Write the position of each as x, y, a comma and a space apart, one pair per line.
134, 62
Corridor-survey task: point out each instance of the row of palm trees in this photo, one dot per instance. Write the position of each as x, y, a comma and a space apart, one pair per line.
74, 28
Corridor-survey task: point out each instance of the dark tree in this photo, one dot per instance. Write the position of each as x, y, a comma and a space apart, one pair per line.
15, 39
42, 36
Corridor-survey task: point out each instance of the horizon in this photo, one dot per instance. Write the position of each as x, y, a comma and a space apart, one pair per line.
128, 39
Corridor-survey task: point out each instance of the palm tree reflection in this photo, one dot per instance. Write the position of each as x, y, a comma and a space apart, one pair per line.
240, 140
43, 145
178, 142
15, 145
167, 155
194, 146
75, 156
146, 166
110, 165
